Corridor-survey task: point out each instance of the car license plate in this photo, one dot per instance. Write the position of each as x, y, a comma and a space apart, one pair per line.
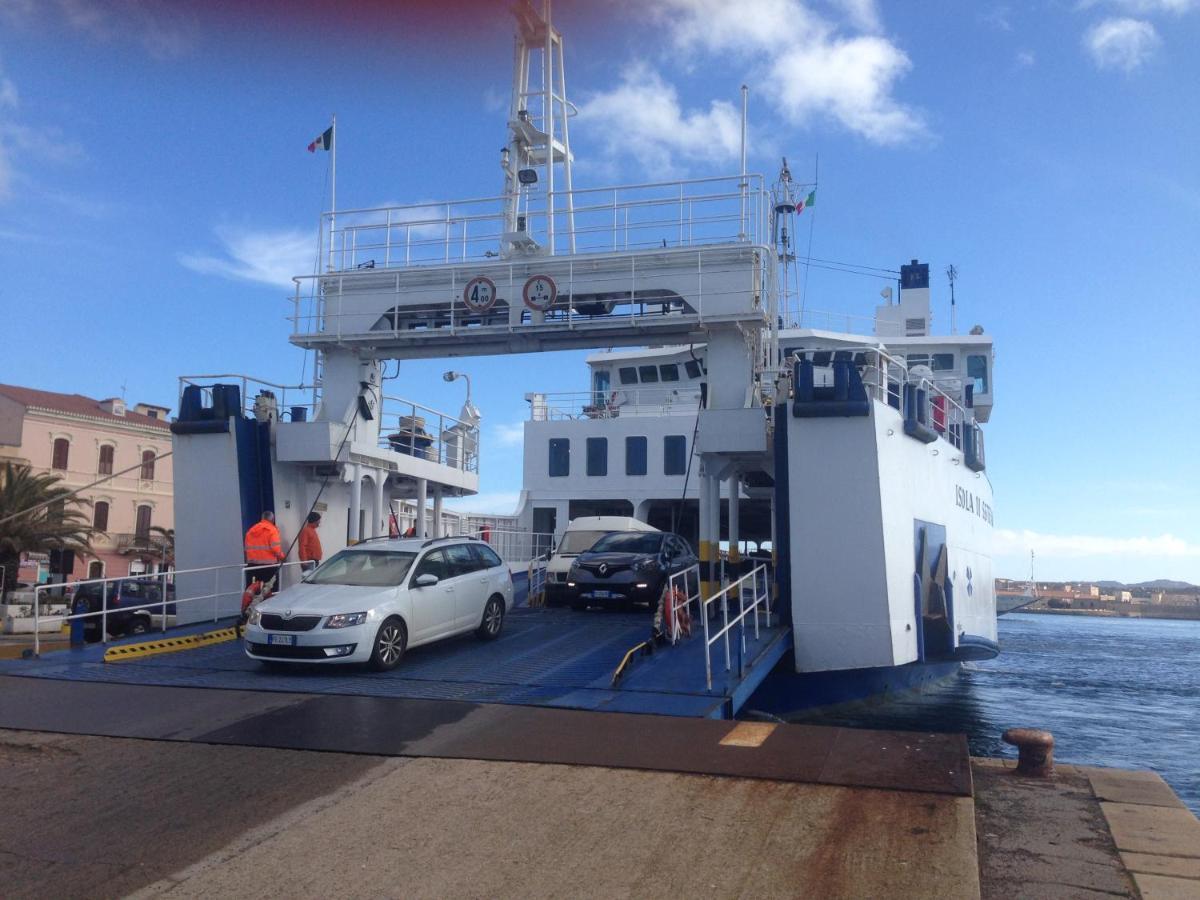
287, 640
601, 595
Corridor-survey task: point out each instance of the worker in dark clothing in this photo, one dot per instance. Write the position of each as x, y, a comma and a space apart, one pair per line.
310, 543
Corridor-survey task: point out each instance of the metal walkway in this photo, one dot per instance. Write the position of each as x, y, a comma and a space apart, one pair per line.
545, 657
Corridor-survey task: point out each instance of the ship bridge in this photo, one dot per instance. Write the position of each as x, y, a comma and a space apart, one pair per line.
626, 265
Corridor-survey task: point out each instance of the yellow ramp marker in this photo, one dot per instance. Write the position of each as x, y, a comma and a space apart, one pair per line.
748, 734
169, 645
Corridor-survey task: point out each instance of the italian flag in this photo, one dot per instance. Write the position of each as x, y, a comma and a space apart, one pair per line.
323, 141
808, 201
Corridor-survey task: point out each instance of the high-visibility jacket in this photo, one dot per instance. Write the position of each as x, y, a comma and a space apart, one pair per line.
263, 544
310, 544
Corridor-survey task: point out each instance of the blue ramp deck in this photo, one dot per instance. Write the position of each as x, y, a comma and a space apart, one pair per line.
545, 657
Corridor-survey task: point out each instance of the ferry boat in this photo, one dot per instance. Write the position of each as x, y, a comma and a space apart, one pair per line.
851, 462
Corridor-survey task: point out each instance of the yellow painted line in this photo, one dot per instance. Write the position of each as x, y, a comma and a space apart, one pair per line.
169, 645
748, 734
626, 661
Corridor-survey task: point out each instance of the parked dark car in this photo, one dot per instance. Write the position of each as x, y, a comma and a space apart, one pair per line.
627, 567
117, 597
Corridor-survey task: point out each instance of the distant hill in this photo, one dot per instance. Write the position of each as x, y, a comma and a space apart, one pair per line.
1159, 584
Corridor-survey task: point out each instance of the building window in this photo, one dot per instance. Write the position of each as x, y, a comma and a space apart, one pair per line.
62, 452
95, 569
105, 466
560, 457
674, 454
597, 456
648, 374
148, 465
635, 456
55, 512
100, 515
142, 527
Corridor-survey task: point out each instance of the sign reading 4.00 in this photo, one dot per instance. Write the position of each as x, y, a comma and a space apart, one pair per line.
540, 292
480, 293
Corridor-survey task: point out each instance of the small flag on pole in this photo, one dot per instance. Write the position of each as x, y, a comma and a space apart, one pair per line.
808, 201
323, 141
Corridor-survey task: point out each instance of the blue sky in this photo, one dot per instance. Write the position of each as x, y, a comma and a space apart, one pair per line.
156, 197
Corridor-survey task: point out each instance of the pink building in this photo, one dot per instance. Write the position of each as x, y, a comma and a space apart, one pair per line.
82, 440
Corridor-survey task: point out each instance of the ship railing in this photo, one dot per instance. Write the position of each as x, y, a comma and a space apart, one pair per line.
612, 404
719, 209
636, 294
228, 584
683, 593
288, 397
752, 594
831, 320
426, 433
516, 546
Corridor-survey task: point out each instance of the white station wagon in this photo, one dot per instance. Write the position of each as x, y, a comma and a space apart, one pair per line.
371, 602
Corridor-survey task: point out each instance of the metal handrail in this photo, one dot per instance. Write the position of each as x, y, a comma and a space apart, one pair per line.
618, 401
167, 576
757, 577
689, 576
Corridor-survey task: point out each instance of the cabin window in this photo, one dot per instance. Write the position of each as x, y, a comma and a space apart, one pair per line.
105, 466
61, 454
674, 454
100, 515
560, 457
648, 374
943, 362
600, 386
822, 358
628, 375
977, 372
669, 372
693, 368
918, 359
597, 456
635, 456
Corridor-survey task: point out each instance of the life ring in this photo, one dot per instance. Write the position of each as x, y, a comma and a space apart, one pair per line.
677, 617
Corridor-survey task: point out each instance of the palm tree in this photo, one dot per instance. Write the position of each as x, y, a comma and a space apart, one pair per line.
164, 540
37, 514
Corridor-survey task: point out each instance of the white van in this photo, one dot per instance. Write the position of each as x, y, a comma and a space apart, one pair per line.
581, 533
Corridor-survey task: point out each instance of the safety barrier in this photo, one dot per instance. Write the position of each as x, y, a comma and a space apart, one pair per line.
164, 580
683, 589
753, 594
169, 645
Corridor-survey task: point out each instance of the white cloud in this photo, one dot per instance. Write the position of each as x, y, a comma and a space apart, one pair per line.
1121, 43
1145, 7
1026, 59
642, 116
811, 67
1077, 546
21, 141
263, 257
509, 434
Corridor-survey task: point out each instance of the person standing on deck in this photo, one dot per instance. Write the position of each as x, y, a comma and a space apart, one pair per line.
310, 543
264, 551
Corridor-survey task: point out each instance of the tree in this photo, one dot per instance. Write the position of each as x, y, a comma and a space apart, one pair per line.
164, 540
37, 514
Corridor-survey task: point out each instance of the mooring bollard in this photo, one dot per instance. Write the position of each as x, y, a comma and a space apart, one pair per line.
1035, 750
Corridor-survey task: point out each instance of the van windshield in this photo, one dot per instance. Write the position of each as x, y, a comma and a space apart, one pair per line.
629, 542
575, 542
364, 568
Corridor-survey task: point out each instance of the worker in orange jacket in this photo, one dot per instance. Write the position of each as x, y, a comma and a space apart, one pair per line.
264, 551
310, 543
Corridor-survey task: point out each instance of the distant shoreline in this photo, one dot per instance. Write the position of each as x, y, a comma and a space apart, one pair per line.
1170, 612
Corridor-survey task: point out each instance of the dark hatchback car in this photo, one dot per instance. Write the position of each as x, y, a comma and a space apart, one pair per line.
119, 596
627, 567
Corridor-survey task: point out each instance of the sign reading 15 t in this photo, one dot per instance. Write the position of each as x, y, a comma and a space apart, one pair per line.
972, 503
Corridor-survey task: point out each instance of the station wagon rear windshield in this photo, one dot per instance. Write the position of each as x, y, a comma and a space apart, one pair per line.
364, 568
628, 542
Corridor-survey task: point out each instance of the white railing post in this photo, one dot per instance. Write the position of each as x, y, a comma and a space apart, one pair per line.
37, 599
164, 601
104, 613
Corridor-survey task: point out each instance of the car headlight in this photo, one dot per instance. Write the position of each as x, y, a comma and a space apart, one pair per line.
345, 620
646, 565
255, 616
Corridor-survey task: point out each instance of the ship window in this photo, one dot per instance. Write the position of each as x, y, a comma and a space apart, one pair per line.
821, 358
669, 373
918, 359
597, 456
635, 456
648, 374
600, 386
693, 368
943, 362
674, 454
628, 375
560, 457
977, 372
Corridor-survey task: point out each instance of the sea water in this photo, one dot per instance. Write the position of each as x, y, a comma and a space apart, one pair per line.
1117, 692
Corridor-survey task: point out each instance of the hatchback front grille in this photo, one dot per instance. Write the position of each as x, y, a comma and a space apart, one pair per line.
275, 622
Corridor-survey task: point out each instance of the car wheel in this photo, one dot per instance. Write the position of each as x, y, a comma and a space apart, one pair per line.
493, 620
390, 642
139, 625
